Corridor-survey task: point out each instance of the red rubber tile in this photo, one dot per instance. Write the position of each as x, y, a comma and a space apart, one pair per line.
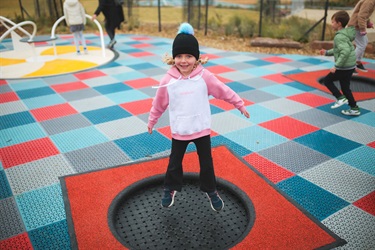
138, 107
51, 112
367, 203
279, 78
142, 83
71, 86
8, 97
28, 151
227, 106
141, 38
141, 54
210, 56
276, 59
141, 45
20, 241
289, 127
3, 82
270, 170
218, 69
89, 74
310, 99
371, 144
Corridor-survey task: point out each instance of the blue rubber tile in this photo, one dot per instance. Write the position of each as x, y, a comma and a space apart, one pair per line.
259, 114
327, 143
281, 90
258, 62
360, 158
258, 71
77, 139
144, 145
41, 207
109, 65
43, 101
255, 138
5, 190
236, 148
19, 134
238, 87
327, 108
295, 71
28, 84
312, 60
106, 114
16, 119
128, 51
112, 88
35, 92
131, 75
127, 96
52, 236
317, 201
300, 86
141, 66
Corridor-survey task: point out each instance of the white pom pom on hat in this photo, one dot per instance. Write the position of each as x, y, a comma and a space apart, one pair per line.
185, 42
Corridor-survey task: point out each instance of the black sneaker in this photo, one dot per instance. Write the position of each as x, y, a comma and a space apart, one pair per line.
217, 203
355, 73
361, 67
168, 198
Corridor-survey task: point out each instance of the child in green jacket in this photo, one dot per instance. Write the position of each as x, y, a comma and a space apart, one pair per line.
345, 63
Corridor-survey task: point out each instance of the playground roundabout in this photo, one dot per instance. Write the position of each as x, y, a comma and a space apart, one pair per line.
49, 60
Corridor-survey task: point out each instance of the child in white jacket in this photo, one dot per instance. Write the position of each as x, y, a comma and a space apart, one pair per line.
75, 17
185, 90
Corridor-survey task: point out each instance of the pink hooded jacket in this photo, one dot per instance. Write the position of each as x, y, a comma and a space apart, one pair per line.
188, 102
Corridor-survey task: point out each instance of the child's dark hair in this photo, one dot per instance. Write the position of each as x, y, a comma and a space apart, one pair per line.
341, 17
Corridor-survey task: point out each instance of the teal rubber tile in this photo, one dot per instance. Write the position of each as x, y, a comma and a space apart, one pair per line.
35, 92
28, 84
77, 139
106, 114
112, 88
51, 236
16, 119
5, 190
317, 201
368, 119
255, 138
144, 145
132, 75
327, 143
127, 96
44, 101
41, 207
281, 90
19, 134
259, 114
362, 158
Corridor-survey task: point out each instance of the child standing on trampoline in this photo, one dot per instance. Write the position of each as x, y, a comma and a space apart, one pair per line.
75, 18
345, 63
186, 89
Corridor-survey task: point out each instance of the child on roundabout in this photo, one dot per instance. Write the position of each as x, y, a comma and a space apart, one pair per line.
185, 90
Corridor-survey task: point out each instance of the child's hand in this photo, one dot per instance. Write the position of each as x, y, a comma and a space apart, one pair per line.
322, 52
149, 130
246, 114
333, 70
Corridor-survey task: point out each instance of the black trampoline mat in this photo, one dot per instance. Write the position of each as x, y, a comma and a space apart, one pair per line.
138, 221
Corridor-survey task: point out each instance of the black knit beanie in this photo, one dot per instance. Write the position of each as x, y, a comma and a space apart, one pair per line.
185, 42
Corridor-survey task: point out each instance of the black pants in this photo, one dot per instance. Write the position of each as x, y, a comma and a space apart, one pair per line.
174, 176
110, 30
344, 77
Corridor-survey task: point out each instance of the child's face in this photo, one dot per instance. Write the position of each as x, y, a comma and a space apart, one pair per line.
185, 63
336, 25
